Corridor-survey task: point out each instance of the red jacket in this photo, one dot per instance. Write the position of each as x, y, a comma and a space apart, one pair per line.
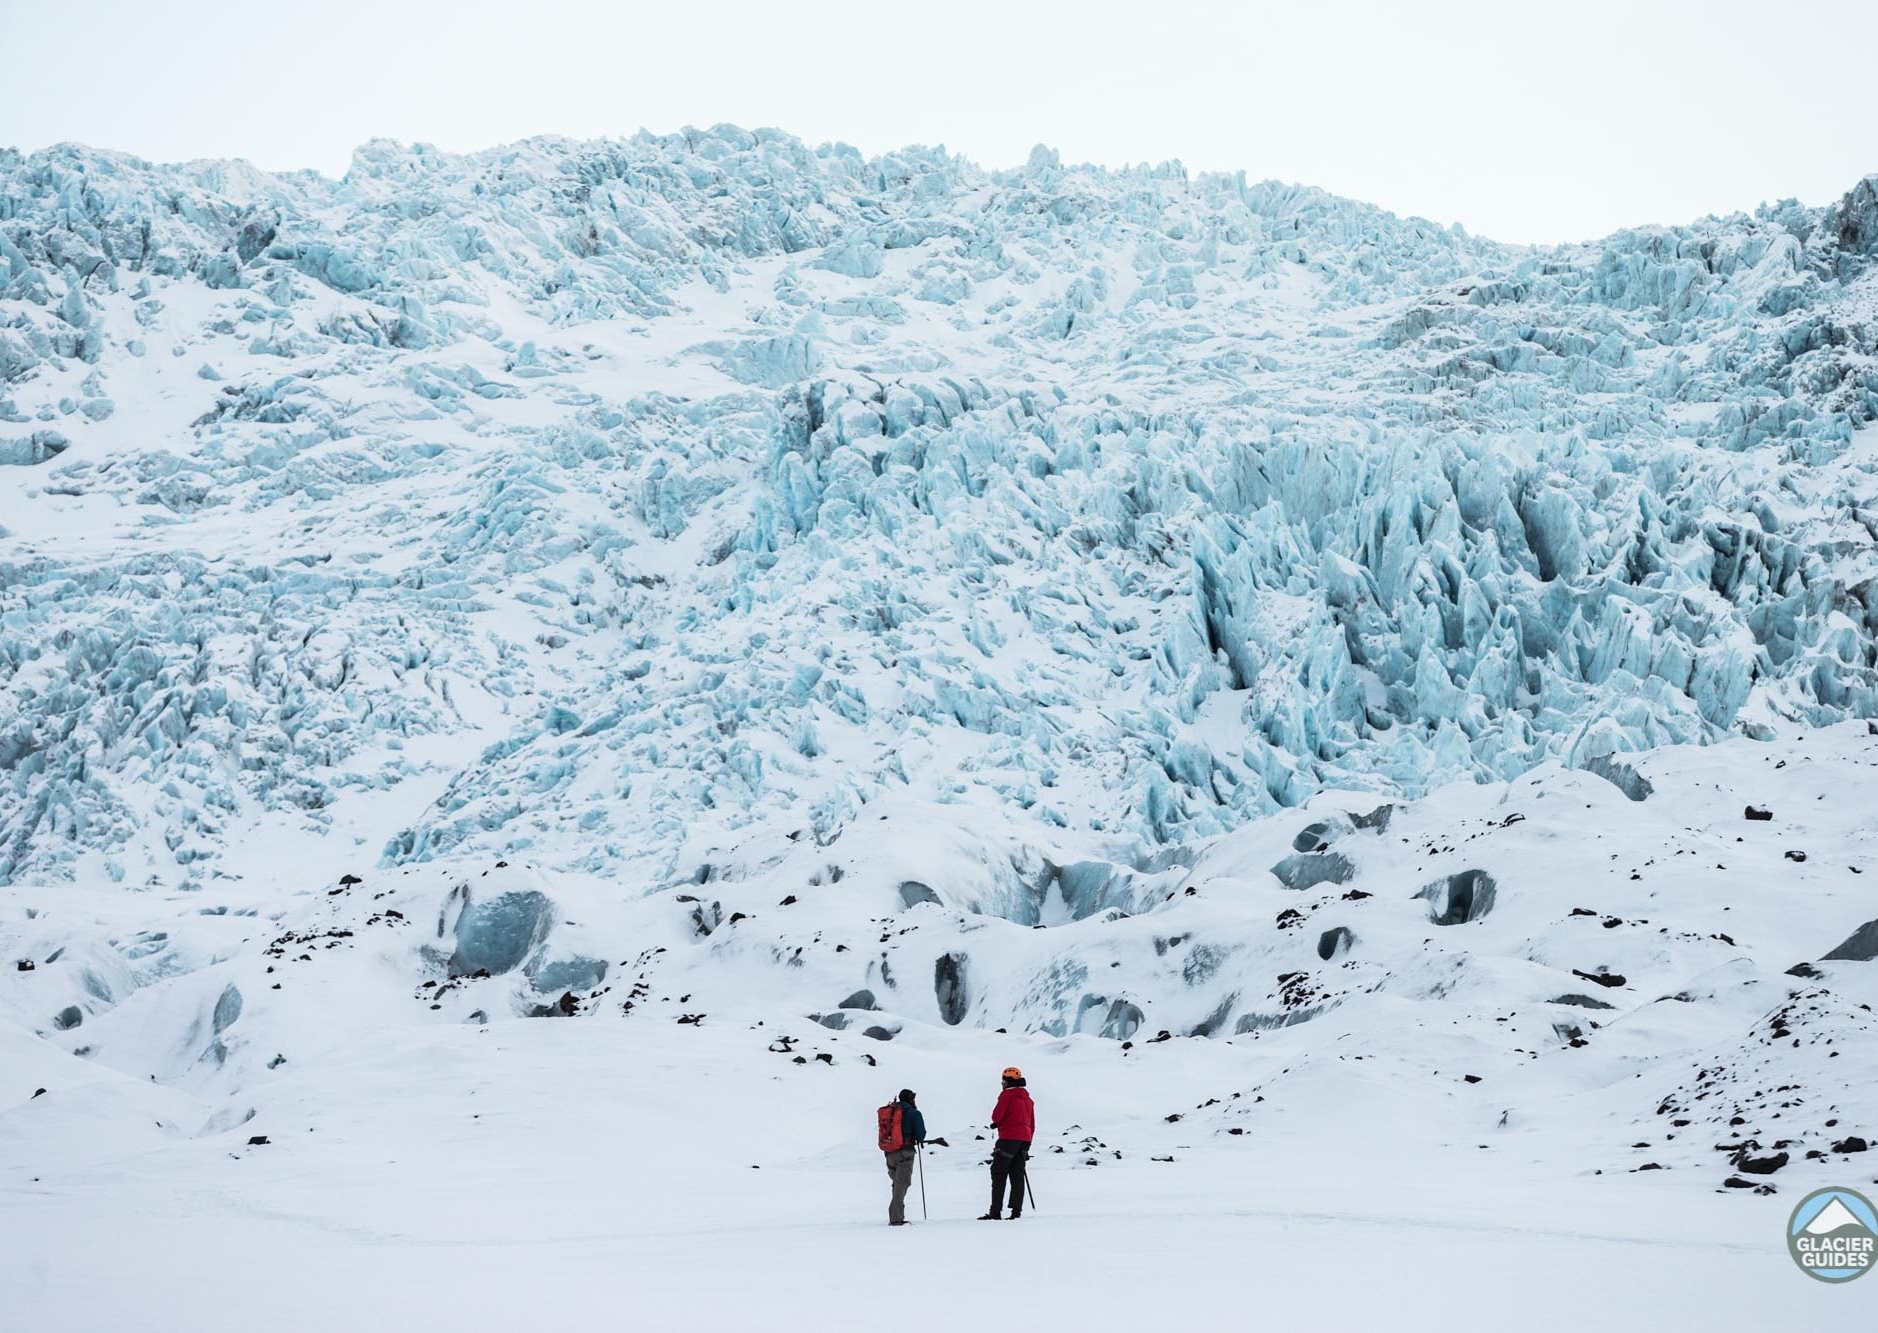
1014, 1116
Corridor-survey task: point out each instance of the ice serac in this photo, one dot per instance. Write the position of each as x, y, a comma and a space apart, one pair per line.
1460, 898
227, 1009
696, 481
950, 989
567, 974
1621, 776
498, 934
1305, 870
912, 892
1859, 947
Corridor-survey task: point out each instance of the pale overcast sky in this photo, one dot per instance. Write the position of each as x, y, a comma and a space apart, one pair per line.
1523, 121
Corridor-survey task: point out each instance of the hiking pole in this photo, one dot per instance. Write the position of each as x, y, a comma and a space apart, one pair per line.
919, 1155
1027, 1189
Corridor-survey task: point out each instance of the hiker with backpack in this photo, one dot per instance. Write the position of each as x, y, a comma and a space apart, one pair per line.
1015, 1119
902, 1131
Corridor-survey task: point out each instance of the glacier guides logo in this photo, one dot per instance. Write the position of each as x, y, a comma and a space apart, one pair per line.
1833, 1235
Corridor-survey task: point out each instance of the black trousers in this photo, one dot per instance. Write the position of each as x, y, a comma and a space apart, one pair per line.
1008, 1160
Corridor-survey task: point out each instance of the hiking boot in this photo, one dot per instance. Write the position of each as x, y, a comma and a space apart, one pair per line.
989, 1217
1015, 1214
896, 1224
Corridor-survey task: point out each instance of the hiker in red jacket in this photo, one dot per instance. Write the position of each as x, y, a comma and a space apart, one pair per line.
1015, 1119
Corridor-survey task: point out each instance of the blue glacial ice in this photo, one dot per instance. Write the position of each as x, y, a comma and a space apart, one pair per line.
701, 481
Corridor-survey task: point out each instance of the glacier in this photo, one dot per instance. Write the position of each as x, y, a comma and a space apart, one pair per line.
1335, 698
643, 492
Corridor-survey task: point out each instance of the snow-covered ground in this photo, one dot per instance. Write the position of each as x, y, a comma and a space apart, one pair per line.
546, 684
1569, 1107
649, 1177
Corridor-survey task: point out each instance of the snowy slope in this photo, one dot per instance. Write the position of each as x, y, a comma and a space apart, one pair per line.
1636, 1040
544, 680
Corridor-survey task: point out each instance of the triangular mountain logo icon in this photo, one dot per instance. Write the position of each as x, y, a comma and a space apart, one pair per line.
1832, 1217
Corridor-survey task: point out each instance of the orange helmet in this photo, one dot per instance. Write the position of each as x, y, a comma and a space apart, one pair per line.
1013, 1072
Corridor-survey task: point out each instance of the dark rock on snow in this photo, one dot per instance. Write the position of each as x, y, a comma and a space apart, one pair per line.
1761, 1166
1601, 978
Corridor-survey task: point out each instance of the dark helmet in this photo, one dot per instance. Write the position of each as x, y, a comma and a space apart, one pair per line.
906, 1094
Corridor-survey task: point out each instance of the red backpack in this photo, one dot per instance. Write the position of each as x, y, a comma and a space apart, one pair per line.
892, 1126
